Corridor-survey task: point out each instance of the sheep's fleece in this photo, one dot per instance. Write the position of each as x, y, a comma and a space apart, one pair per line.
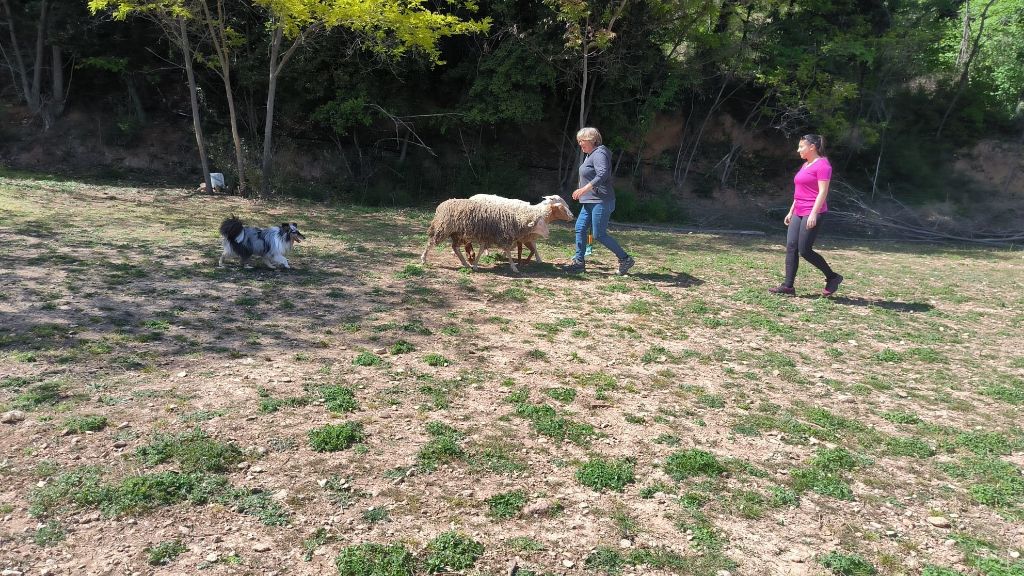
486, 223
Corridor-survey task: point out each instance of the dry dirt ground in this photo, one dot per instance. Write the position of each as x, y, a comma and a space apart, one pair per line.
165, 416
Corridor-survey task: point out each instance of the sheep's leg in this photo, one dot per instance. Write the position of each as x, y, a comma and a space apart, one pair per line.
423, 257
469, 252
511, 262
458, 252
533, 252
519, 252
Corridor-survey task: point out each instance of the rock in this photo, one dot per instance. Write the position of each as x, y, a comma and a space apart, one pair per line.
182, 374
567, 563
212, 557
261, 547
120, 444
939, 521
723, 573
625, 543
11, 572
12, 417
1014, 554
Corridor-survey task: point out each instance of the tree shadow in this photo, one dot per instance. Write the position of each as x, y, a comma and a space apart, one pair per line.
676, 279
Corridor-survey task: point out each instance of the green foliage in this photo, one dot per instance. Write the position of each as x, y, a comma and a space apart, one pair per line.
375, 560
193, 451
436, 360
606, 474
442, 448
335, 437
687, 463
847, 564
82, 424
49, 534
452, 551
368, 359
164, 552
339, 399
931, 570
42, 394
563, 395
506, 504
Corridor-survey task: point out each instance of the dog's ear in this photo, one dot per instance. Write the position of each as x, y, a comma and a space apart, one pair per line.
284, 226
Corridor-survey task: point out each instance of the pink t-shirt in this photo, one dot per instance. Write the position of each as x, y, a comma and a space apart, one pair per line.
806, 186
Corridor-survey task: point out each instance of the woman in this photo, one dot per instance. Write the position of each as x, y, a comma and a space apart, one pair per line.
806, 214
598, 202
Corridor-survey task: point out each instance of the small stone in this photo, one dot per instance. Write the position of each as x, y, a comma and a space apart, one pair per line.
261, 547
12, 417
11, 572
625, 543
939, 521
212, 557
182, 374
120, 444
723, 573
1014, 554
567, 563
256, 469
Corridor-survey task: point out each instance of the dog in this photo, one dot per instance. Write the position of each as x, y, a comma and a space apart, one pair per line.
271, 244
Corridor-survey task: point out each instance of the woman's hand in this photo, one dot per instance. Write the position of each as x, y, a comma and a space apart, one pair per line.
579, 192
812, 220
788, 219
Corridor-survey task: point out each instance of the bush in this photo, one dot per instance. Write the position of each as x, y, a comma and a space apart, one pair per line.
507, 504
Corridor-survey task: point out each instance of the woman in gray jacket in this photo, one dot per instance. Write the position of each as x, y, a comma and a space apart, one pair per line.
597, 197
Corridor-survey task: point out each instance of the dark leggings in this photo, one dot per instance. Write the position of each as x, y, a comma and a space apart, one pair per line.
800, 242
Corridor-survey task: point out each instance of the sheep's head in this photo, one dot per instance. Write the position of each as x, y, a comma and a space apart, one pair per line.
558, 210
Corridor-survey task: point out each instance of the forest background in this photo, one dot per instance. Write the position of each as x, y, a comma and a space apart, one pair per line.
404, 102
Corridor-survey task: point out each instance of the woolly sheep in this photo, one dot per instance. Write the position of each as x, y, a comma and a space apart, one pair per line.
530, 243
463, 221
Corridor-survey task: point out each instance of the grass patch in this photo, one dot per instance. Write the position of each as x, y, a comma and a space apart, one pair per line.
606, 474
49, 534
688, 463
164, 552
442, 448
375, 560
338, 399
847, 564
452, 551
436, 360
193, 451
83, 424
368, 359
563, 395
336, 437
506, 504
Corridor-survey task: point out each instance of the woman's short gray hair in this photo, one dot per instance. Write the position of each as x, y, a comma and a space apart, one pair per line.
590, 135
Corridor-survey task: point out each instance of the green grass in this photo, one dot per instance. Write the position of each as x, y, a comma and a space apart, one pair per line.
443, 447
164, 552
375, 560
847, 564
606, 474
506, 504
83, 424
688, 463
452, 551
436, 360
563, 395
193, 451
336, 437
368, 359
49, 534
338, 399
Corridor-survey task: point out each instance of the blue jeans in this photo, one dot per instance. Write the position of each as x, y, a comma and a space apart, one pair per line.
595, 217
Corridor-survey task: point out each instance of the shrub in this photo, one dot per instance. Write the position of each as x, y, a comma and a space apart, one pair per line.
164, 552
506, 504
847, 564
82, 424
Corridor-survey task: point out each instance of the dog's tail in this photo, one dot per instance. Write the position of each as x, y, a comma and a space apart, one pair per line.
231, 229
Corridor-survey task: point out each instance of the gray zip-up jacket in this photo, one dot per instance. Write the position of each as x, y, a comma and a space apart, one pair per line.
596, 169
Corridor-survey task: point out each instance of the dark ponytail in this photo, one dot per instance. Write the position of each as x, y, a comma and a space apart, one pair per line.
816, 140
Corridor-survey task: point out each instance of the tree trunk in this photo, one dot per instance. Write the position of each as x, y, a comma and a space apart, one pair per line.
965, 37
37, 74
217, 35
586, 78
18, 64
965, 73
268, 123
57, 104
186, 51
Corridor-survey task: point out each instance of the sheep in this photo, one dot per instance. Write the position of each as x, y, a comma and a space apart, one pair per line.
519, 205
463, 221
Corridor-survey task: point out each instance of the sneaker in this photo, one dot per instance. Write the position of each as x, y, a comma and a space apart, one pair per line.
832, 285
574, 267
788, 290
625, 264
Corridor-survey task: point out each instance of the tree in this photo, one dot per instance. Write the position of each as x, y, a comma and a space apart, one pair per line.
173, 18
391, 28
30, 88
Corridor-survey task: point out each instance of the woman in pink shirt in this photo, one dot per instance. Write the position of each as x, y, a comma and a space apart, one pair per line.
806, 214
